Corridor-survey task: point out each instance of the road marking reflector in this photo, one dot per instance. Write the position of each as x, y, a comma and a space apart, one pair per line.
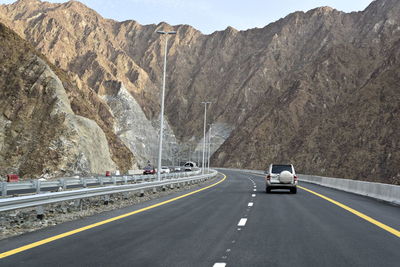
72, 232
250, 204
254, 190
219, 264
357, 213
242, 222
253, 195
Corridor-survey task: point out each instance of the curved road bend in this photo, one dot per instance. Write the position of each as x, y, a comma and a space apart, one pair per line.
234, 223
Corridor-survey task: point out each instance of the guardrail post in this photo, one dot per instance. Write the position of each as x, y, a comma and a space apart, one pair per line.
84, 182
114, 180
154, 190
141, 193
37, 186
63, 184
101, 181
125, 180
4, 189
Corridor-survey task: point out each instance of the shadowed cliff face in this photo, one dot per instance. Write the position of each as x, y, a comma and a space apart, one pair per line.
319, 89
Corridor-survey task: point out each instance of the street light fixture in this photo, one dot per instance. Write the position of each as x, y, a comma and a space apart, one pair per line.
162, 104
204, 138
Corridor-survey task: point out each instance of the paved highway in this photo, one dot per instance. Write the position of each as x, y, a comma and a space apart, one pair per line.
234, 223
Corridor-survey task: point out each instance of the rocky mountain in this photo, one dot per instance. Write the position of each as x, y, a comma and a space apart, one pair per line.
319, 89
43, 127
336, 109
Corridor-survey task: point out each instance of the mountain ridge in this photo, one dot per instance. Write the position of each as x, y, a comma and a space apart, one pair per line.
291, 74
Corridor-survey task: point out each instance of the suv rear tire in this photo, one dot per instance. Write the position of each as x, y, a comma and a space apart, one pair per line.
268, 190
293, 190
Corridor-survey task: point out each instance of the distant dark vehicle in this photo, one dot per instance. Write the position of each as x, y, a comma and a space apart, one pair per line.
149, 170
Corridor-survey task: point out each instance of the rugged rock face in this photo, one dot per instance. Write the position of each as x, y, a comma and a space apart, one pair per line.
138, 133
336, 110
39, 132
319, 89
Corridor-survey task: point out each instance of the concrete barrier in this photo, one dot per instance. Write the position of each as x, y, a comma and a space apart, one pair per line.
386, 192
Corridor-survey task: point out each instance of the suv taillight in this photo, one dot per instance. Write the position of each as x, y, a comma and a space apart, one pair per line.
295, 177
268, 177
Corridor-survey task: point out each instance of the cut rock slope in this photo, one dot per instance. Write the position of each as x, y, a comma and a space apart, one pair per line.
40, 134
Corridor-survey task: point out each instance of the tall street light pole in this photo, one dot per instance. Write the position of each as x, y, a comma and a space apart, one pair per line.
162, 104
209, 148
204, 137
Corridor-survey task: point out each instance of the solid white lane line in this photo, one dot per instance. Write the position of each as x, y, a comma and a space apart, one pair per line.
242, 222
254, 190
253, 195
250, 204
219, 264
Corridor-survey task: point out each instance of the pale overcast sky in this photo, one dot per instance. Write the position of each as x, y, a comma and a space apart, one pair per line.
211, 15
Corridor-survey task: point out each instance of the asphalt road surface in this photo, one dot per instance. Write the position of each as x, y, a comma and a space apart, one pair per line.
234, 223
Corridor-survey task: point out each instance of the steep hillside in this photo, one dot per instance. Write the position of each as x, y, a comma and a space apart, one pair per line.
40, 134
318, 89
339, 113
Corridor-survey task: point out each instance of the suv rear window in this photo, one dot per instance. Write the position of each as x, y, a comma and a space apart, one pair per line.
281, 168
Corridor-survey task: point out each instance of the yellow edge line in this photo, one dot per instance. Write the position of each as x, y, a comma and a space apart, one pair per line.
53, 238
357, 213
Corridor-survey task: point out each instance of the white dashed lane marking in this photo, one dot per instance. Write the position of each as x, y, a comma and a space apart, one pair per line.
242, 222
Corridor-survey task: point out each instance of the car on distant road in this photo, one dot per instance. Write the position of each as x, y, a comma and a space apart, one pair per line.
149, 170
177, 168
165, 169
281, 176
189, 165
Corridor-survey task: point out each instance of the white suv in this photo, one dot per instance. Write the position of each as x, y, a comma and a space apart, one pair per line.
281, 176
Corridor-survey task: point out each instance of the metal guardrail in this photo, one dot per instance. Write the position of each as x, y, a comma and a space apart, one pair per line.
13, 203
37, 186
